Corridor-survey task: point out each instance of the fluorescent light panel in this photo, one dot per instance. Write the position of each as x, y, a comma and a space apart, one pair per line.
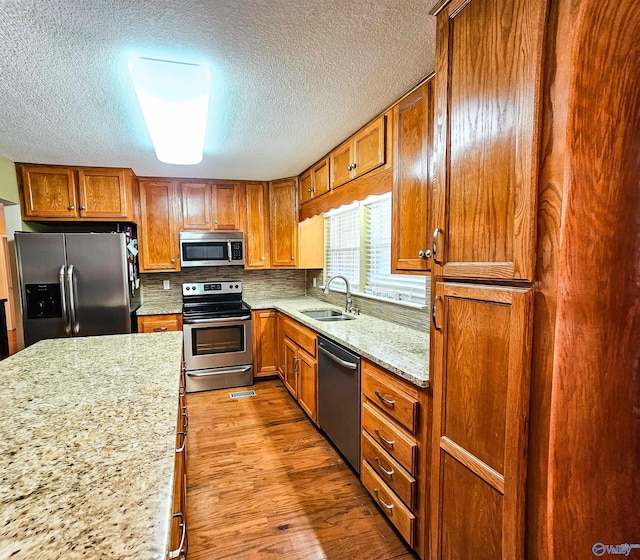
174, 98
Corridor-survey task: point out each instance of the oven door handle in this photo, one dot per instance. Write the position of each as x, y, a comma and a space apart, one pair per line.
223, 320
218, 371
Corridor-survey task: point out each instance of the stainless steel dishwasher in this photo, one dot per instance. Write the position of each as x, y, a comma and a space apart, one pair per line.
339, 398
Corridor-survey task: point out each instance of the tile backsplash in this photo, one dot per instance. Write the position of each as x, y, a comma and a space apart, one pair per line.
257, 284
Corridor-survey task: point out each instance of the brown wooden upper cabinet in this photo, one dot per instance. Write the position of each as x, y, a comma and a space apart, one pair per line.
211, 206
487, 98
159, 226
283, 212
315, 181
52, 193
360, 154
413, 144
258, 250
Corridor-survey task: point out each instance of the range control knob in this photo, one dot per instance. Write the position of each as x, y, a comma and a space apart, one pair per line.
187, 288
236, 285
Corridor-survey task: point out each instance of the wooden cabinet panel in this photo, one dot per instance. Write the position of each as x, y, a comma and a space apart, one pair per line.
308, 384
320, 175
410, 231
160, 223
159, 323
196, 205
265, 349
389, 394
389, 470
226, 213
301, 335
280, 345
290, 359
398, 444
105, 193
341, 164
369, 147
488, 98
389, 503
283, 212
257, 246
482, 361
305, 186
48, 192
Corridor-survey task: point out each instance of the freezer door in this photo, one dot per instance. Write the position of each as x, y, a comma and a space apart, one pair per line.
96, 279
41, 258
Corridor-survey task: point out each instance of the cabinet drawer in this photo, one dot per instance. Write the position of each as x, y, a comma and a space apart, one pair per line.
159, 323
389, 470
389, 503
301, 335
400, 446
390, 395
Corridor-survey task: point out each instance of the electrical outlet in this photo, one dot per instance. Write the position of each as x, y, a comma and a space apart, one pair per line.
166, 284
315, 282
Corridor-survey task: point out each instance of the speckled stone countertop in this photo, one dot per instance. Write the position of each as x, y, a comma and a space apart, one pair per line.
399, 349
88, 447
167, 308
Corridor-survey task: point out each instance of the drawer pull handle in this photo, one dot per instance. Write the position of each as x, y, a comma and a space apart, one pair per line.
388, 507
385, 471
184, 442
385, 401
159, 329
384, 440
183, 530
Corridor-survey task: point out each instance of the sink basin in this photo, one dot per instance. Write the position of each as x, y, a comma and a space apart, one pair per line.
326, 315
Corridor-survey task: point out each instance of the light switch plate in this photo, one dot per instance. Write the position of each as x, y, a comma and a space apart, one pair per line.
315, 282
166, 284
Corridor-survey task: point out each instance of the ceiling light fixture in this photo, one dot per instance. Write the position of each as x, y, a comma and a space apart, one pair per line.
174, 97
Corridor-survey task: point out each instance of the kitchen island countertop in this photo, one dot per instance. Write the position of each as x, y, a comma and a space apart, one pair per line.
88, 448
401, 350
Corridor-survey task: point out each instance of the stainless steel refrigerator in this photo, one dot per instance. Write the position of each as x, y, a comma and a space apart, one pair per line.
74, 284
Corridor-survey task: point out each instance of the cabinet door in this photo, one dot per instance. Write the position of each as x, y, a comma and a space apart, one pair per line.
320, 175
226, 206
284, 224
160, 207
369, 147
257, 237
341, 166
265, 349
306, 187
488, 102
48, 192
308, 384
196, 205
410, 233
290, 365
481, 370
105, 193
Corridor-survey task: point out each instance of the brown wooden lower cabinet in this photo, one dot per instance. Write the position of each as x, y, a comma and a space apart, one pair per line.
160, 323
178, 537
264, 324
395, 443
481, 370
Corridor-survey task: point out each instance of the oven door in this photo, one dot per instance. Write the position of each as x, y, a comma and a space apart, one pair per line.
214, 343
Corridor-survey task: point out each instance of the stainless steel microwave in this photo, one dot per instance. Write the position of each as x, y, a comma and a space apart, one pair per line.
211, 248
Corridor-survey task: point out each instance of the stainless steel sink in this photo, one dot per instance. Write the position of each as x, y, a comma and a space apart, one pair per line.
326, 315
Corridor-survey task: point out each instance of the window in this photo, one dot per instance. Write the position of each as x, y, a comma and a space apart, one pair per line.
358, 246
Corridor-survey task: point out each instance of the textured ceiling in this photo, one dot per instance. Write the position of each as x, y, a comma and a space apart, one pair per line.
292, 78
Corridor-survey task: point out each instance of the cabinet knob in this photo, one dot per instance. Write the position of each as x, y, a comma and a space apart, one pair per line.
310, 190
293, 258
173, 261
262, 259
72, 207
425, 254
83, 207
215, 221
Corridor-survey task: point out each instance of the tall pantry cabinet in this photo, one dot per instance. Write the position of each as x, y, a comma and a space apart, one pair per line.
488, 65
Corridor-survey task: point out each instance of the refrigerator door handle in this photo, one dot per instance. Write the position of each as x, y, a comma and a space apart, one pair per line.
72, 300
63, 300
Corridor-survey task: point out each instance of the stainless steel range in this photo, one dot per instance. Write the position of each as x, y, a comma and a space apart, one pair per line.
217, 335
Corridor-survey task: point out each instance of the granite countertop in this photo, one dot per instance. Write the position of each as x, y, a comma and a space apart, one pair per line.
165, 308
399, 349
88, 447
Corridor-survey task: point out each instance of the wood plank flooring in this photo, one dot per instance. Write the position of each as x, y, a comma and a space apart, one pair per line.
264, 483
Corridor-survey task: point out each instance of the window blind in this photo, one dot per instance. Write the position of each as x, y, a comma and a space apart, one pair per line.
342, 246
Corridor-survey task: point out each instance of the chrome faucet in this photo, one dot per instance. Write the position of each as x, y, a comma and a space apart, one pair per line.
346, 281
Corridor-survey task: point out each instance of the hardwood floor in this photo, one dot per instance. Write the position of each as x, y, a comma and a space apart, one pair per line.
264, 483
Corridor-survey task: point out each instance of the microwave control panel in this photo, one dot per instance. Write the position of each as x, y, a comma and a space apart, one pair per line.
236, 251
